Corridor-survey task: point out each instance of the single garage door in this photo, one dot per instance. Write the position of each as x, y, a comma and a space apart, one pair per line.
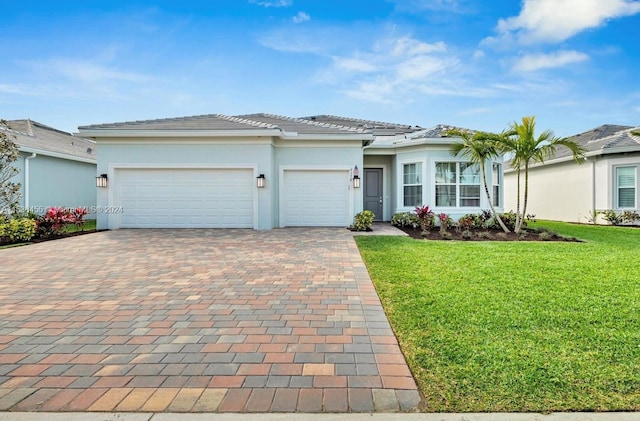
315, 198
185, 198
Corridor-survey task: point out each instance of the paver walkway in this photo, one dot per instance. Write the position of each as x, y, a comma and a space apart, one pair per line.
197, 321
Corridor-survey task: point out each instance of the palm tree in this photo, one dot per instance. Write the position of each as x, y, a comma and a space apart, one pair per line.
478, 148
526, 149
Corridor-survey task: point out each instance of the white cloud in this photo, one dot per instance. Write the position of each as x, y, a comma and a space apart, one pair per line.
407, 46
558, 20
274, 3
532, 62
354, 64
89, 72
301, 17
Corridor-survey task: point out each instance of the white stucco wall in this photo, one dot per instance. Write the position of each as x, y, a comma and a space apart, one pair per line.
568, 191
55, 182
429, 156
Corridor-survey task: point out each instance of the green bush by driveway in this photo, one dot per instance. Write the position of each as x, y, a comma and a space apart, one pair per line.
517, 326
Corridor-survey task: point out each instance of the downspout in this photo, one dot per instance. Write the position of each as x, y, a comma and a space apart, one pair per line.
26, 179
593, 189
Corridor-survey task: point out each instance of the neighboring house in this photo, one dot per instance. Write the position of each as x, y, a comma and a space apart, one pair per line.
562, 190
264, 171
56, 168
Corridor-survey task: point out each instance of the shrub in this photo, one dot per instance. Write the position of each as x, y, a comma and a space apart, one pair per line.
445, 222
405, 219
485, 235
509, 220
630, 217
465, 223
426, 216
466, 235
545, 236
592, 216
363, 221
56, 219
17, 229
445, 235
612, 217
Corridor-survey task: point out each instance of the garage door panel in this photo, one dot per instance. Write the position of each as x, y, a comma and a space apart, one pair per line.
316, 198
185, 198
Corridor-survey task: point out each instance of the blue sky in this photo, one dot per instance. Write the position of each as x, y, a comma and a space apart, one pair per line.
575, 64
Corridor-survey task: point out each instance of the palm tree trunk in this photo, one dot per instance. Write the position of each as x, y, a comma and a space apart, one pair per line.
516, 230
493, 210
526, 195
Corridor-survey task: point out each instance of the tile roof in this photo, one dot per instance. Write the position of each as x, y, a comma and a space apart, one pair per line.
604, 138
34, 135
377, 128
259, 121
198, 122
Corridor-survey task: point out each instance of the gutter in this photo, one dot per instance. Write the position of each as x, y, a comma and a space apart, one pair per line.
26, 179
56, 154
593, 186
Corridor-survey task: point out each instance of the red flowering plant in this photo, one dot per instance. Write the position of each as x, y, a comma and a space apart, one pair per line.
426, 216
445, 221
54, 221
78, 215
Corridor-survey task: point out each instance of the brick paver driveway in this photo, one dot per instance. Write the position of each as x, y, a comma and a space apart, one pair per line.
196, 321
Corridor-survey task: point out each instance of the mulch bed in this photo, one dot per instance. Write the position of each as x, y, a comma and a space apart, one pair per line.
488, 235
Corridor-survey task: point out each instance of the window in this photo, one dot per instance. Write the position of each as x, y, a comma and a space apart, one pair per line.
497, 181
626, 186
457, 184
412, 184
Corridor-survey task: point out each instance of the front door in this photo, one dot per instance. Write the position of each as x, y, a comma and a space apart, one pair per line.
373, 191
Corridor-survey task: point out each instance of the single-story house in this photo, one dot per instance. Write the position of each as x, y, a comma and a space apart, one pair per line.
264, 171
561, 189
56, 168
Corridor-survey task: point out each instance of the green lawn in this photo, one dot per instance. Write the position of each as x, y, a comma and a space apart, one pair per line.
516, 326
89, 224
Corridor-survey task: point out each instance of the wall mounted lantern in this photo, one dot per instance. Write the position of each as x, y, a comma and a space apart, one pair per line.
101, 180
260, 181
356, 177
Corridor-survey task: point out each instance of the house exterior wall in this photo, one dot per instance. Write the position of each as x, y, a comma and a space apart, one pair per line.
56, 182
325, 155
561, 192
569, 191
429, 156
264, 155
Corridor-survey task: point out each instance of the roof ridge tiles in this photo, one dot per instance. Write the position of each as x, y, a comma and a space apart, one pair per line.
362, 120
309, 122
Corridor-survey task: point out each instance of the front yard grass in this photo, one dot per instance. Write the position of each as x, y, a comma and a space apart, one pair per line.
516, 326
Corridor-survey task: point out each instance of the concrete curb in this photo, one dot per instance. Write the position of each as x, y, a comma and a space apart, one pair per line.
101, 416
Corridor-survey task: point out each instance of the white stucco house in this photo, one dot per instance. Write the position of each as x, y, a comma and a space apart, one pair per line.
56, 168
265, 171
562, 190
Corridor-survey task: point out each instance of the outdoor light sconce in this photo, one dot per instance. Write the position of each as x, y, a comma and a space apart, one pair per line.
260, 181
101, 180
356, 177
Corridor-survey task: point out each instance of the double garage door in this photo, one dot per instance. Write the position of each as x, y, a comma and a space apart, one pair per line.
224, 198
186, 198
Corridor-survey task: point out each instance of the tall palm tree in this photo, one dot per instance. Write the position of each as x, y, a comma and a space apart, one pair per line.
478, 148
526, 149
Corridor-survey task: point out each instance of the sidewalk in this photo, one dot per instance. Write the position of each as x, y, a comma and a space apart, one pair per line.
562, 416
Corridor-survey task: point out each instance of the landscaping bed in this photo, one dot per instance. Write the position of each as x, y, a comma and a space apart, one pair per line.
486, 235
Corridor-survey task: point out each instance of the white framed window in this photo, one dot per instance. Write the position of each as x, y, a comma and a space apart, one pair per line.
626, 187
497, 182
457, 184
412, 184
